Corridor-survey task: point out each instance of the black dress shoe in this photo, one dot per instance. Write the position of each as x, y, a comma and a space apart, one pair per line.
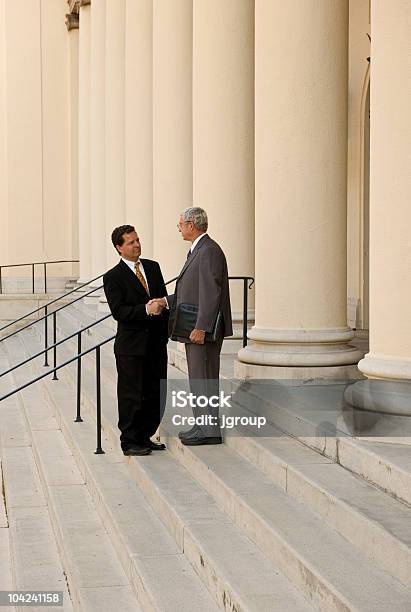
156, 445
199, 440
137, 450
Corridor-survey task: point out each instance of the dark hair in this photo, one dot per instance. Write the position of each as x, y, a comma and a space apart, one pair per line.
118, 233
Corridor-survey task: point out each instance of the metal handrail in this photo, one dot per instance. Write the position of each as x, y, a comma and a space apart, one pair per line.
77, 358
97, 347
45, 319
54, 346
28, 314
36, 263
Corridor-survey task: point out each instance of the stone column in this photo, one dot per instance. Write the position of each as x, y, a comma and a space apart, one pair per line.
389, 359
139, 120
172, 129
223, 130
300, 158
115, 142
4, 254
72, 23
84, 143
99, 237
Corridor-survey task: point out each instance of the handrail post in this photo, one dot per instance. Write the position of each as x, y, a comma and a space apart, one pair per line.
78, 418
32, 277
245, 310
1, 285
54, 342
46, 340
99, 450
45, 276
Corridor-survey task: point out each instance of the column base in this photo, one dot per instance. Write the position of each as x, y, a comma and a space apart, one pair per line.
245, 371
289, 349
375, 365
380, 396
380, 410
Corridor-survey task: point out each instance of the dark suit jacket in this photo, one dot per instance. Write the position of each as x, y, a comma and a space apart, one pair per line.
203, 282
126, 298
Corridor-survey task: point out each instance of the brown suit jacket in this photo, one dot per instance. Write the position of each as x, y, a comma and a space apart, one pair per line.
203, 282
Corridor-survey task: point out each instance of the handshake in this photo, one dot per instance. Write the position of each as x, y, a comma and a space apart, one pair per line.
156, 306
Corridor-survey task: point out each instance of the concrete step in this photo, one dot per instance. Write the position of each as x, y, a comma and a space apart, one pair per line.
363, 514
311, 554
301, 412
205, 535
95, 577
6, 582
73, 318
157, 569
29, 558
378, 525
319, 561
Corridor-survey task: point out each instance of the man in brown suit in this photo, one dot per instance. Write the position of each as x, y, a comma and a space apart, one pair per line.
203, 282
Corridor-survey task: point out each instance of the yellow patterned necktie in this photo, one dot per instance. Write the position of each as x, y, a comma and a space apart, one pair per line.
141, 277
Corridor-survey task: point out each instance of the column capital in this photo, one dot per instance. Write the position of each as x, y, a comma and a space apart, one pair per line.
73, 6
72, 21
84, 3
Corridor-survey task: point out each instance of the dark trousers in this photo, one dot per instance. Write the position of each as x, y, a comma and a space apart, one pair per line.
203, 361
140, 398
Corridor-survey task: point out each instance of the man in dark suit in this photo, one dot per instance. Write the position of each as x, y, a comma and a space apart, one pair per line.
140, 346
203, 282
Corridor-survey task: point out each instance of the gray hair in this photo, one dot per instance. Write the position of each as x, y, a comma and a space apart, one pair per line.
197, 216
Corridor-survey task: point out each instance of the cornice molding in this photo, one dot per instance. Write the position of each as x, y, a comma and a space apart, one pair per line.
72, 21
73, 6
72, 18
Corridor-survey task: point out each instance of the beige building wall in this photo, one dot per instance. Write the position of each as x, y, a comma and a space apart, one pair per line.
72, 85
223, 130
97, 235
85, 243
172, 129
34, 111
179, 129
4, 208
115, 209
55, 110
139, 120
358, 80
390, 189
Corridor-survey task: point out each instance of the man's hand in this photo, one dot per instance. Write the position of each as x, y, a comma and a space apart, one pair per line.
154, 307
197, 336
162, 301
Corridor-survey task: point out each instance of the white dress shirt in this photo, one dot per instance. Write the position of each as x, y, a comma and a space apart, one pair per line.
196, 241
131, 265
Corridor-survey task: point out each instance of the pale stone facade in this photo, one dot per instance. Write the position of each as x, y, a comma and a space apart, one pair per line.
139, 108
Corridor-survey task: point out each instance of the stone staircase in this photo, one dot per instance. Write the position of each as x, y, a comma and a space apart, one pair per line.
296, 521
